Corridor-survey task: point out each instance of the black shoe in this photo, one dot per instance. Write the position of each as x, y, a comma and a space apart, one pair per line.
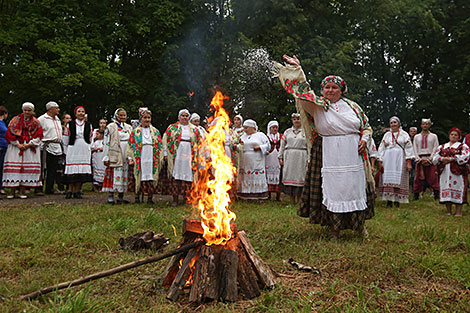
68, 195
389, 204
77, 195
416, 196
436, 194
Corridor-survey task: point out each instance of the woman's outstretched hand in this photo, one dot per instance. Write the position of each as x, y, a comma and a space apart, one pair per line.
291, 60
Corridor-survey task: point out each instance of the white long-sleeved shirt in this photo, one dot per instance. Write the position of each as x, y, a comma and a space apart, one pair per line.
425, 144
52, 133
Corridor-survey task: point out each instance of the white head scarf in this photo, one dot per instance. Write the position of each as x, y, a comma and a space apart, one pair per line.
194, 117
274, 137
240, 117
395, 118
115, 116
28, 105
183, 111
251, 123
51, 104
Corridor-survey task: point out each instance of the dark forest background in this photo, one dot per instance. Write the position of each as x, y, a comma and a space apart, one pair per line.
409, 58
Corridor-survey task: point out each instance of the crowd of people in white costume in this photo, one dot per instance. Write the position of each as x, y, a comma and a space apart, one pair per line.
326, 161
118, 158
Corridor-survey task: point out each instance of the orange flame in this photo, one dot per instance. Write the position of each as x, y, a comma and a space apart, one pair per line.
191, 93
210, 194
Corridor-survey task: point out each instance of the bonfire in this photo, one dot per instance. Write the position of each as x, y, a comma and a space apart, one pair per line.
226, 267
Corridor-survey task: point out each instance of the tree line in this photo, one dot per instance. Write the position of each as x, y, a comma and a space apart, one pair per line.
399, 57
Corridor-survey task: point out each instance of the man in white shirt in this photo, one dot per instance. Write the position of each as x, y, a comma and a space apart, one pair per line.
51, 142
425, 145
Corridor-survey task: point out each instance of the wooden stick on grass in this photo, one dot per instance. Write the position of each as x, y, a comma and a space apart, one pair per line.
112, 271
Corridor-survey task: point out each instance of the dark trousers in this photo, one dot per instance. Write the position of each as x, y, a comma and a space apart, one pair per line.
52, 163
3, 151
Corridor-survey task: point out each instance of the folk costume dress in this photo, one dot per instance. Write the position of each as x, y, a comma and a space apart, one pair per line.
273, 168
293, 152
394, 183
252, 183
339, 186
424, 146
116, 138
181, 144
77, 147
23, 168
97, 162
145, 148
453, 176
3, 149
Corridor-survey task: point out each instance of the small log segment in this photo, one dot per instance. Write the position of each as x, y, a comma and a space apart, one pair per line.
219, 272
145, 240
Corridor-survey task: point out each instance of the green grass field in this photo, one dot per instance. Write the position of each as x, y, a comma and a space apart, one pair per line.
417, 259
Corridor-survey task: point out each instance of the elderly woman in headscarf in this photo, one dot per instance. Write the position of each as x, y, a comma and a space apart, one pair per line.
22, 167
293, 159
181, 144
145, 150
394, 156
451, 159
195, 119
116, 138
339, 171
77, 146
273, 168
252, 183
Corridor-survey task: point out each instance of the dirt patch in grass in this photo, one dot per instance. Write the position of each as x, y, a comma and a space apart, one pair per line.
89, 198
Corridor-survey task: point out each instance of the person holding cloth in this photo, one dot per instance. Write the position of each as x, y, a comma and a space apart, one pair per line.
339, 184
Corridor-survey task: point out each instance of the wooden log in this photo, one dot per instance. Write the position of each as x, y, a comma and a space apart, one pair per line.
112, 271
145, 240
263, 271
247, 280
194, 226
228, 275
172, 268
200, 276
213, 289
181, 277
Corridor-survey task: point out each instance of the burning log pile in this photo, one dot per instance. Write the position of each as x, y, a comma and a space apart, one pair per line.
227, 272
226, 267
